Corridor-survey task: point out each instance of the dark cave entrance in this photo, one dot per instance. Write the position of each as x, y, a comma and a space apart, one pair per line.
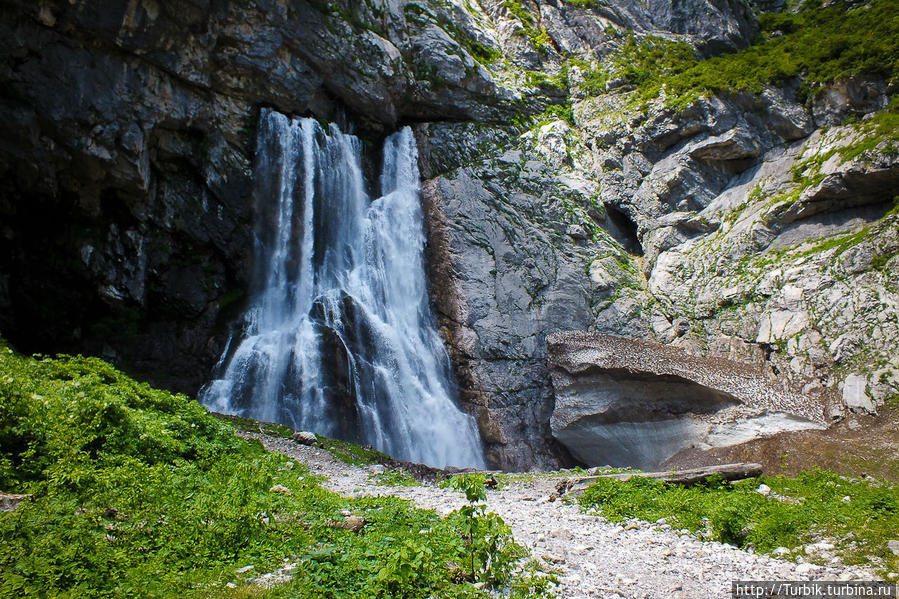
623, 229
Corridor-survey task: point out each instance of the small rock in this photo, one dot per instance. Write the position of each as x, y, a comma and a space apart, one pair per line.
305, 438
855, 394
681, 326
351, 523
376, 468
576, 232
780, 552
231, 585
763, 489
631, 526
245, 569
805, 569
281, 489
846, 499
893, 545
10, 501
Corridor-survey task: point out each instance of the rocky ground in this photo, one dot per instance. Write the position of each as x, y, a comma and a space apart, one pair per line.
593, 557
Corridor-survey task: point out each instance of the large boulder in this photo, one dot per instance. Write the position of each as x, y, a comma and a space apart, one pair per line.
629, 402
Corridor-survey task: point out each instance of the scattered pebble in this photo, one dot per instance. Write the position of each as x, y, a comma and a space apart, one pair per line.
592, 557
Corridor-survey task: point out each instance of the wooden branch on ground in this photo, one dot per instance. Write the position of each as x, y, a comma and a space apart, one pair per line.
681, 477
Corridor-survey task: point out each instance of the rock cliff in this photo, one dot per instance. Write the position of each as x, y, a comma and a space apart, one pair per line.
750, 224
128, 134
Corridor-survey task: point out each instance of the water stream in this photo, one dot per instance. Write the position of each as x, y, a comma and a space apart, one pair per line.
339, 337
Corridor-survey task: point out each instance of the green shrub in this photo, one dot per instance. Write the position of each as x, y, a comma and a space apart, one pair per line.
815, 44
139, 492
492, 553
799, 510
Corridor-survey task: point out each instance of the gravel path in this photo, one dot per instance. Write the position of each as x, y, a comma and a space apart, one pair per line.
594, 558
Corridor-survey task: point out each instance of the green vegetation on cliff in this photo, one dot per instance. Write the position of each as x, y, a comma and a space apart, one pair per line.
857, 517
139, 492
817, 44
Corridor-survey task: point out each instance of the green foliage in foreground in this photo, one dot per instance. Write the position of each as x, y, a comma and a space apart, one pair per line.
798, 511
816, 44
139, 492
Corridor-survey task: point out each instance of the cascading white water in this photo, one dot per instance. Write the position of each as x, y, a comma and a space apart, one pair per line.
339, 338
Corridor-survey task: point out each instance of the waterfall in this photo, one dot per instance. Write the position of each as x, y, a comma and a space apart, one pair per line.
339, 337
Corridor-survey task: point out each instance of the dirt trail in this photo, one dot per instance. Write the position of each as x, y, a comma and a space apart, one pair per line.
595, 558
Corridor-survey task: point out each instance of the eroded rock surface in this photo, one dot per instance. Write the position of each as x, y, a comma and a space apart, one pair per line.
500, 283
629, 402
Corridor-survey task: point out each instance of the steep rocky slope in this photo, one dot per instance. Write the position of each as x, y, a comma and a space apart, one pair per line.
739, 225
128, 134
756, 225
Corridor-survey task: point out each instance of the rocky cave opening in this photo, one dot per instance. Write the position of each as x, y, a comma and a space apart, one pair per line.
623, 229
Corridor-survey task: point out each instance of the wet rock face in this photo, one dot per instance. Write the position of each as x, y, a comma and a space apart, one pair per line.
128, 134
499, 284
628, 402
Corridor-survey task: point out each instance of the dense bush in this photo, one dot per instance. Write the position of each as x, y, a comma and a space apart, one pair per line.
138, 492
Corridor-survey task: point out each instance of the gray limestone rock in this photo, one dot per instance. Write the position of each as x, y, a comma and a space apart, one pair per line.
504, 273
855, 394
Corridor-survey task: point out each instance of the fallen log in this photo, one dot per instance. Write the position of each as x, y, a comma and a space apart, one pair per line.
689, 477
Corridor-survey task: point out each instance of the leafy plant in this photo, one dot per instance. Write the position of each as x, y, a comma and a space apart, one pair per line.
140, 492
798, 511
492, 553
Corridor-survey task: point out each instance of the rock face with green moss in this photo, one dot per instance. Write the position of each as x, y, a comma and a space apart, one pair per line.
729, 223
509, 243
701, 173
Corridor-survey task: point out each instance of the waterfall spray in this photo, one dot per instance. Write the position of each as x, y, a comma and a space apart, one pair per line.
339, 337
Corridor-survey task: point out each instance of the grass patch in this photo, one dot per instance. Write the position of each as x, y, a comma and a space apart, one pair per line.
140, 492
840, 242
816, 44
346, 451
535, 32
798, 511
351, 453
394, 478
272, 429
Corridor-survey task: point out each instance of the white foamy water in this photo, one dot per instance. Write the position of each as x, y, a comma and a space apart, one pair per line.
339, 337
